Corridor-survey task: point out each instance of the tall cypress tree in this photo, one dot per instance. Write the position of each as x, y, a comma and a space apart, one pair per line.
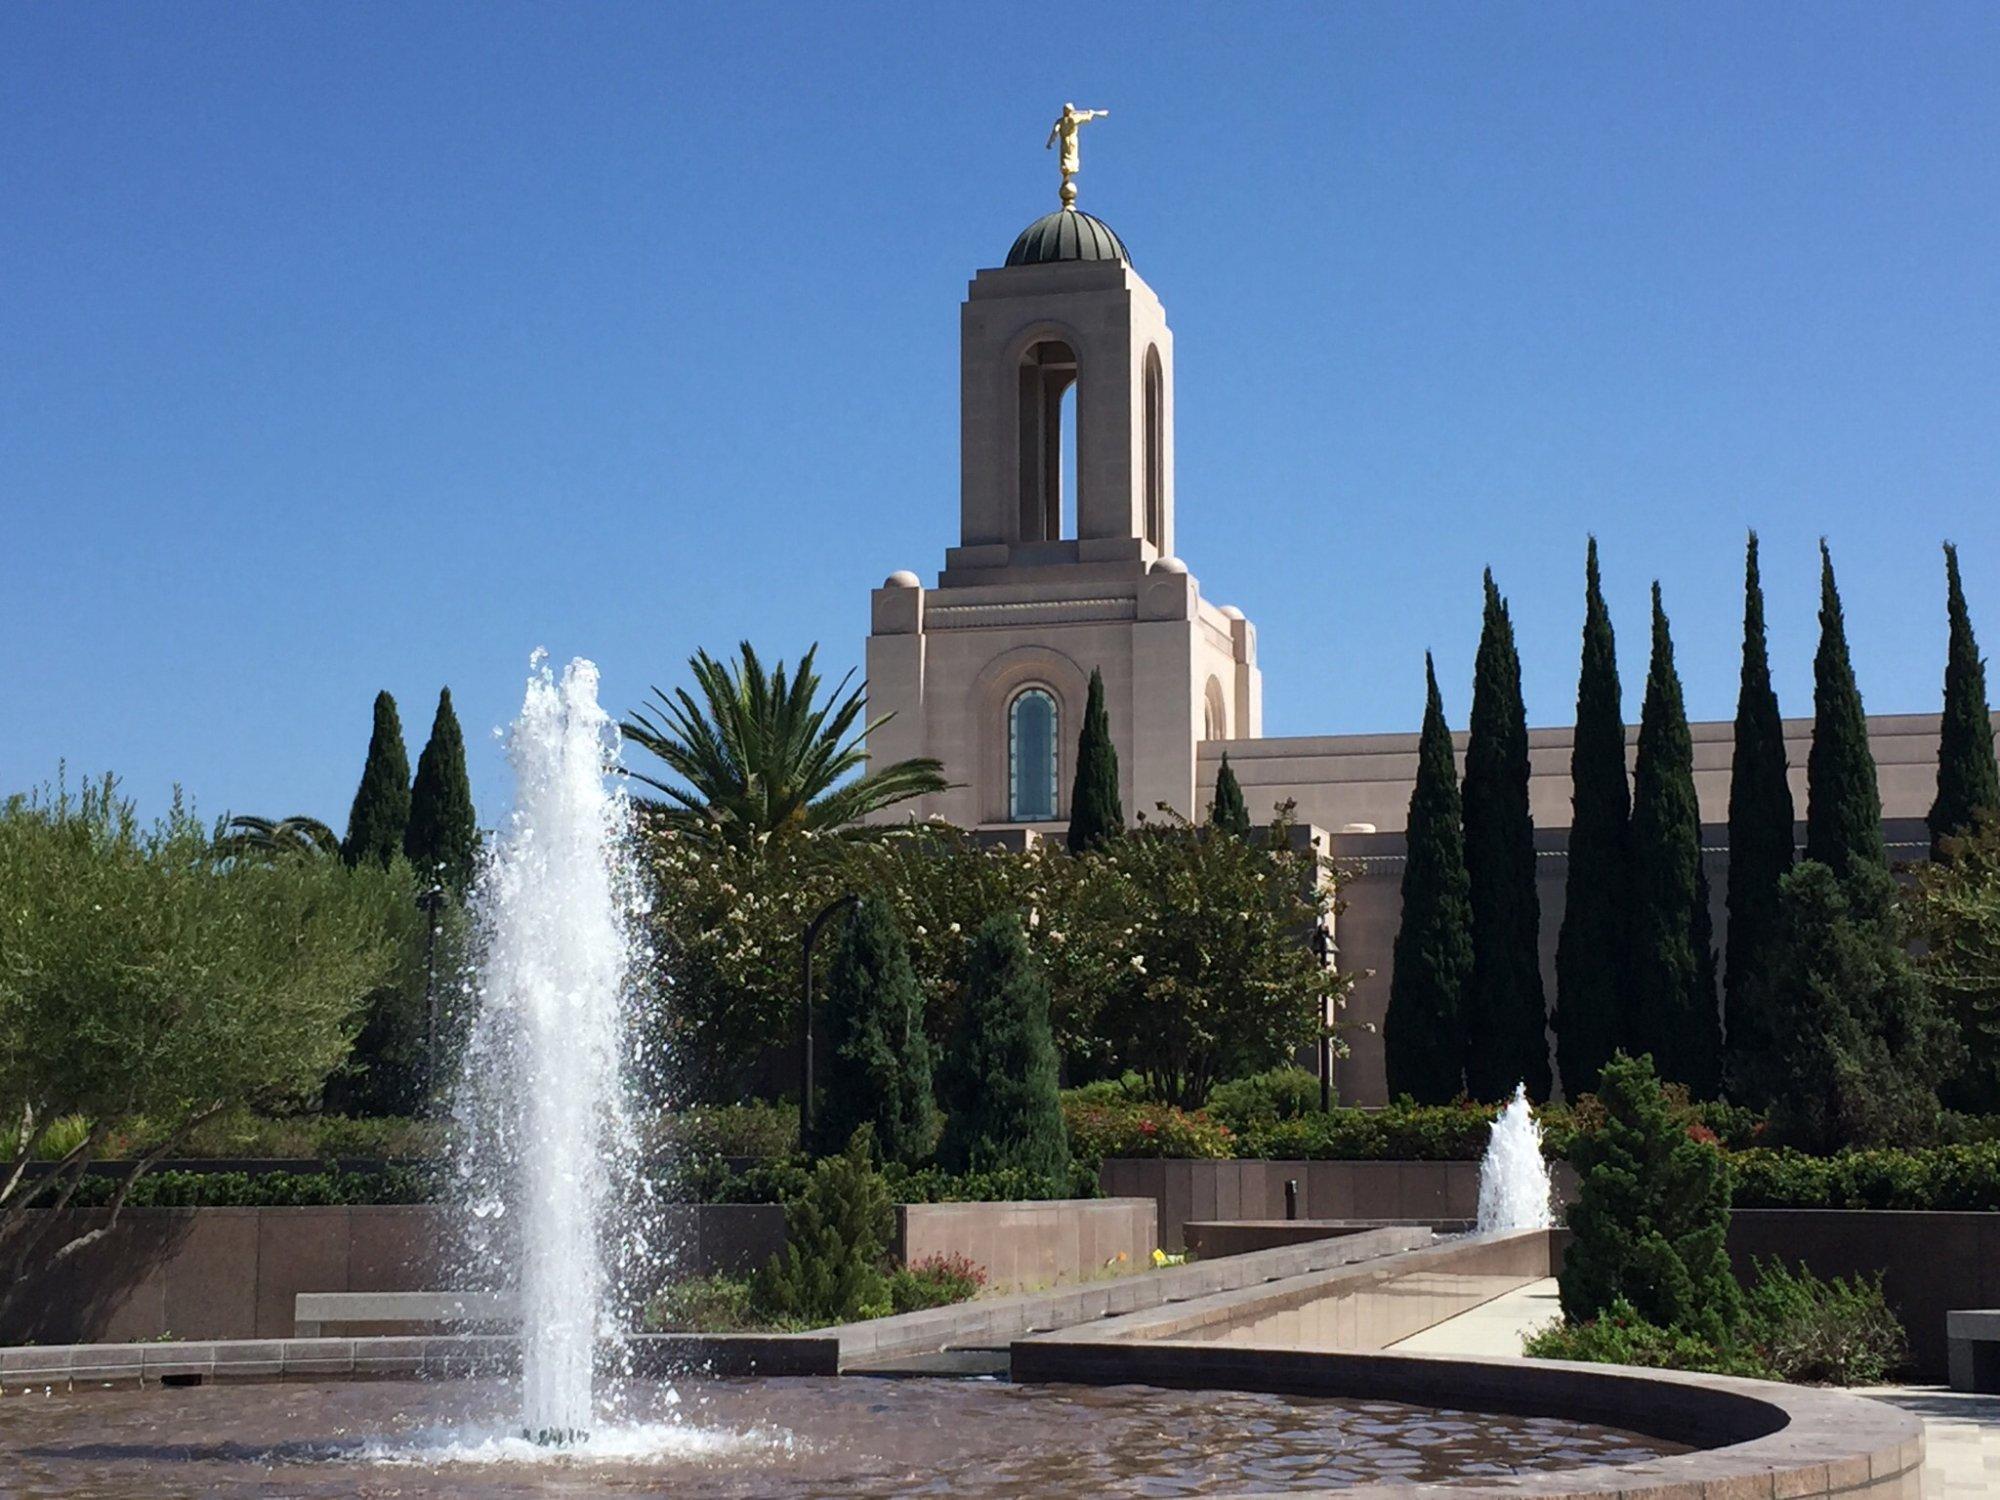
1507, 1010
1423, 1033
878, 1070
1968, 779
1843, 804
1095, 813
443, 836
1760, 823
1592, 951
381, 812
1228, 811
998, 1081
1672, 1017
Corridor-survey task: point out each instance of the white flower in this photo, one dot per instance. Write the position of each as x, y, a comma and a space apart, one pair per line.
1139, 963
954, 927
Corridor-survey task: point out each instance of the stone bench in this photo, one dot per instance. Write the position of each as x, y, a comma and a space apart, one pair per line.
312, 1311
1972, 1350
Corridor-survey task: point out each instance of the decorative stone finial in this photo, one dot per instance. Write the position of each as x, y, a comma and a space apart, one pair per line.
1064, 130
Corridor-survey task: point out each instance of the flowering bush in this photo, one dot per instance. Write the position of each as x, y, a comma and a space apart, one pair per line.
1098, 1130
935, 1281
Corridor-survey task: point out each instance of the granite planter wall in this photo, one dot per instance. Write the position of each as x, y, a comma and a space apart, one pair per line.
1028, 1246
1425, 1191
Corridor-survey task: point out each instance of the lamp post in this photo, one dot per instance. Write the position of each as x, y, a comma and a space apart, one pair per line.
430, 901
806, 1013
1323, 950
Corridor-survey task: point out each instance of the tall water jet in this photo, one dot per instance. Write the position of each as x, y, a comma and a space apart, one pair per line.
541, 1109
1514, 1187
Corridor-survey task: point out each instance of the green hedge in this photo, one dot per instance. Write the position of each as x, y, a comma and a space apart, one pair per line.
1942, 1177
260, 1189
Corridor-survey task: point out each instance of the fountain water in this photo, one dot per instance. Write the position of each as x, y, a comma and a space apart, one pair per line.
541, 1103
1514, 1187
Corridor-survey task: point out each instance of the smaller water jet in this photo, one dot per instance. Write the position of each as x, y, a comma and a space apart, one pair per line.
1514, 1187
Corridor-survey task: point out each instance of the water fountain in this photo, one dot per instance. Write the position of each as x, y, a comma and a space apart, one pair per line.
541, 1103
1514, 1187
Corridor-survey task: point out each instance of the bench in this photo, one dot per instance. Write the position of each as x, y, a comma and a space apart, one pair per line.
312, 1311
1972, 1350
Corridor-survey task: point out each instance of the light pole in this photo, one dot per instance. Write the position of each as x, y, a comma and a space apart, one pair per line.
430, 901
1323, 949
806, 1014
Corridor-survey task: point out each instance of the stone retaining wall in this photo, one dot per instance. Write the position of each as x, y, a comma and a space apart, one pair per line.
1027, 1246
1420, 1191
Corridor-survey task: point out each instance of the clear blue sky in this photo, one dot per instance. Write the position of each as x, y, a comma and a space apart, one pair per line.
356, 346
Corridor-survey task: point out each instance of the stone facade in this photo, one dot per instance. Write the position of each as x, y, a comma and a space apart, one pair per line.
1046, 587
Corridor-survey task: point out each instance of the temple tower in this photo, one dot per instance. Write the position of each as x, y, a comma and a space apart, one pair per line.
1065, 560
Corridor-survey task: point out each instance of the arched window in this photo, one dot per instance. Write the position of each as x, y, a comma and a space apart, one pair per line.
1032, 757
1156, 450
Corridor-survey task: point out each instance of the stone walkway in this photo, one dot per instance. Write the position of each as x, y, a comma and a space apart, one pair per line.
1961, 1433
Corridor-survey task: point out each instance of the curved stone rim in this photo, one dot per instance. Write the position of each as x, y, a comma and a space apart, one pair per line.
1760, 1439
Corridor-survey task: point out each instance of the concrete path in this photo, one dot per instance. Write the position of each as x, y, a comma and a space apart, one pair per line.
1961, 1432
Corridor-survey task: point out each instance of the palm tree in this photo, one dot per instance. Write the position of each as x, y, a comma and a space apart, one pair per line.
759, 755
262, 840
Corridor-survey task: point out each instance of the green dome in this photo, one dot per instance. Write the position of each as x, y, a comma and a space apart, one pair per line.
1066, 234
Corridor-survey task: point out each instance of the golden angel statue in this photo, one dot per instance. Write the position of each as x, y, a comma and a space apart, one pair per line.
1064, 130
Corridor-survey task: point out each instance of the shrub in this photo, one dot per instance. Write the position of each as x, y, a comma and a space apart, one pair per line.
836, 1233
1817, 1332
1938, 1178
1793, 1327
758, 1128
1402, 1132
1620, 1336
1100, 1130
704, 1304
1280, 1094
935, 1281
998, 1078
1651, 1214
260, 1189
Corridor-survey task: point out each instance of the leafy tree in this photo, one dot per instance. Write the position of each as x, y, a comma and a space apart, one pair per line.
1201, 942
1095, 812
761, 757
1651, 1215
878, 1069
1760, 823
261, 840
836, 1238
1968, 777
381, 811
1228, 811
1955, 909
1593, 950
998, 1078
1843, 804
1506, 1011
443, 837
1673, 1015
1423, 1032
1856, 1043
153, 981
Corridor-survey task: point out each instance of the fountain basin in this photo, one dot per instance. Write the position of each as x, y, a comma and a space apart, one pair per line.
296, 1413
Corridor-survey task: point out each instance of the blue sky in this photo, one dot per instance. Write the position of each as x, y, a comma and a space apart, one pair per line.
363, 346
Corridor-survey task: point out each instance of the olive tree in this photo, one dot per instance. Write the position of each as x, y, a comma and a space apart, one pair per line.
150, 981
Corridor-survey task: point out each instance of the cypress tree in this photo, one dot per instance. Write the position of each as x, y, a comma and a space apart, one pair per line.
998, 1080
381, 812
1095, 813
878, 1069
1228, 811
1592, 953
1507, 1013
1968, 779
1423, 1033
1843, 805
1760, 823
1672, 1017
443, 836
